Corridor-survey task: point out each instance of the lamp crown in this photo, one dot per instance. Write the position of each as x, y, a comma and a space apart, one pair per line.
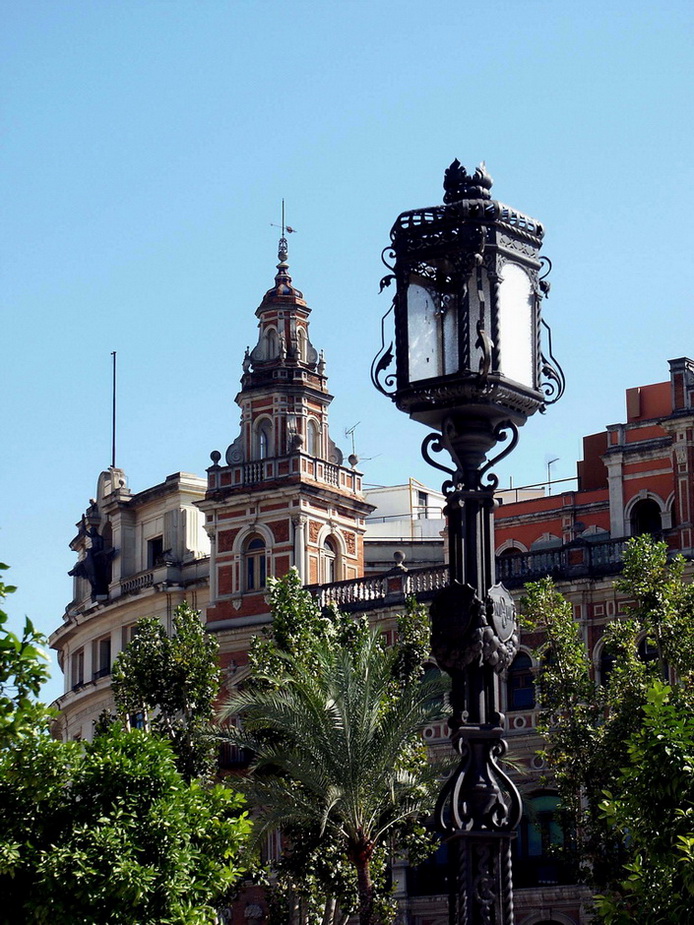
459, 184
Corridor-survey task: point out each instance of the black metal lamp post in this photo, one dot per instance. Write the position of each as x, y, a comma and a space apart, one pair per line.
469, 364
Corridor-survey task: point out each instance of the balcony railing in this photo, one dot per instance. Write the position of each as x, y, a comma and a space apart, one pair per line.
137, 582
278, 468
366, 593
563, 563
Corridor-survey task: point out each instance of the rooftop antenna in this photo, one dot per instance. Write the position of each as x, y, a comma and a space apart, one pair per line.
349, 432
352, 459
550, 463
286, 229
113, 414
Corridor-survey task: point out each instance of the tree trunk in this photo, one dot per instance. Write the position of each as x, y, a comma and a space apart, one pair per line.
365, 887
329, 910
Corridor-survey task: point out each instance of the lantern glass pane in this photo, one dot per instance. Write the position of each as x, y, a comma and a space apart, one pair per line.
516, 326
424, 340
450, 337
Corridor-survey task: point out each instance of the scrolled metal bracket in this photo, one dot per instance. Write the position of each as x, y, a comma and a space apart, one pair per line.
390, 251
555, 384
501, 432
385, 383
435, 442
545, 284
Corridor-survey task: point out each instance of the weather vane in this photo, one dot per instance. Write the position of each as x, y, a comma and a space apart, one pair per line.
286, 229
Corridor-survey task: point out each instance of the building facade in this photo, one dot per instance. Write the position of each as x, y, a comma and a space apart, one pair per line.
282, 497
138, 555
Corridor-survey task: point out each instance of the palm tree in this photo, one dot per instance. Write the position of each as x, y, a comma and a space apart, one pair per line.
338, 751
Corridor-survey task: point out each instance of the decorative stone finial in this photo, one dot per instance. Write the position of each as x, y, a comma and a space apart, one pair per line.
283, 250
458, 184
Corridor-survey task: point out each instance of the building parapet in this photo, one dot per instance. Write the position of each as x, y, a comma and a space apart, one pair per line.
573, 560
280, 468
382, 590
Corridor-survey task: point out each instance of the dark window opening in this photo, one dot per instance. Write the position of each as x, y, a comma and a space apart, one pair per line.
645, 518
329, 562
520, 683
537, 849
255, 564
102, 657
607, 663
511, 551
423, 505
77, 669
155, 552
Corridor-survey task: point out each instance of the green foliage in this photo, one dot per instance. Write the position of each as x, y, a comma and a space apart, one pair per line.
333, 716
652, 808
112, 833
622, 753
106, 832
23, 669
172, 681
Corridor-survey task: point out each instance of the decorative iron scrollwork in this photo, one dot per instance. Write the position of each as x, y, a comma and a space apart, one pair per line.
479, 795
384, 383
553, 387
485, 344
545, 284
392, 256
435, 442
501, 432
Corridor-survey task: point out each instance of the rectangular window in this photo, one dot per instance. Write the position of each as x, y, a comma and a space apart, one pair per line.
77, 669
422, 505
155, 552
255, 572
101, 657
128, 634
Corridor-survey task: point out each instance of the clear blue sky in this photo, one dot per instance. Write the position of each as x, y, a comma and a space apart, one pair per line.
147, 146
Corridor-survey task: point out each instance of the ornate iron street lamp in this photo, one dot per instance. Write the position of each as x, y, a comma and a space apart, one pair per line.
469, 364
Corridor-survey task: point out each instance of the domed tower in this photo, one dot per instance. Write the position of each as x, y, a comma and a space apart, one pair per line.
281, 497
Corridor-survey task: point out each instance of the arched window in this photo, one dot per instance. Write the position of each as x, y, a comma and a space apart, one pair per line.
263, 440
520, 683
312, 439
330, 561
270, 344
645, 518
301, 345
254, 563
605, 666
511, 551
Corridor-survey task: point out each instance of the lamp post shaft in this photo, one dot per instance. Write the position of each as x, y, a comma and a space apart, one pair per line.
479, 807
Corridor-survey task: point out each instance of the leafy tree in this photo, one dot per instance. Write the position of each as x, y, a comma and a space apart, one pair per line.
172, 683
23, 669
618, 738
653, 808
333, 717
109, 831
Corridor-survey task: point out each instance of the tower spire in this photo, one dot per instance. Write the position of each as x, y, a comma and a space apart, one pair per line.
283, 249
